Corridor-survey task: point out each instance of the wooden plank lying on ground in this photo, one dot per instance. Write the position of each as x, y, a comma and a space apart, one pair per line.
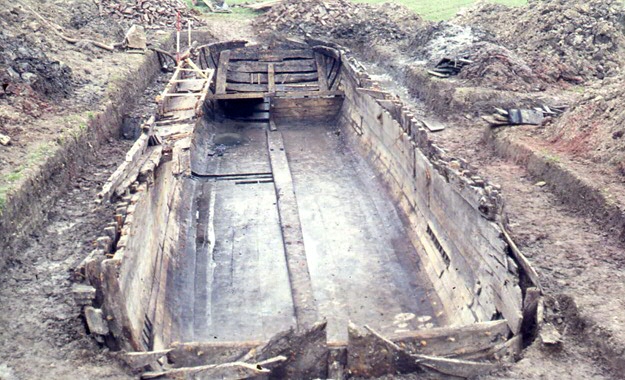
281, 103
433, 125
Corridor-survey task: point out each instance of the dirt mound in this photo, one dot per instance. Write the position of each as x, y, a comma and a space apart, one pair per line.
343, 20
151, 13
594, 128
497, 67
573, 41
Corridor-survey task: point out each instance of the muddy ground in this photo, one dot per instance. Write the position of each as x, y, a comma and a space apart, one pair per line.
579, 261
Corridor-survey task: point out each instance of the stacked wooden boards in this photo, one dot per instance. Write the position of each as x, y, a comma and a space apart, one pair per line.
262, 71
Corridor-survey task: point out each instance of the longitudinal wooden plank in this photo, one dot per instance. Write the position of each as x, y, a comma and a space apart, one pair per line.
295, 66
297, 264
222, 72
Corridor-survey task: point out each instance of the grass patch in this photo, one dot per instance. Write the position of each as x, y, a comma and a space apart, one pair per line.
8, 180
237, 12
437, 10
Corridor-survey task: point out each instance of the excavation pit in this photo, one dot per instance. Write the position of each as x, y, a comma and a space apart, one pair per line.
304, 193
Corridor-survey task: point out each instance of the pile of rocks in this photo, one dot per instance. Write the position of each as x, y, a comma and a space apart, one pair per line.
151, 13
342, 20
27, 74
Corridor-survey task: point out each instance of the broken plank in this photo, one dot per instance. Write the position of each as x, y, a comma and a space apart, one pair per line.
456, 340
222, 71
235, 370
455, 367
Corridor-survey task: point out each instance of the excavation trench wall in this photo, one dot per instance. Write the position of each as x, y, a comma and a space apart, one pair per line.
27, 203
453, 214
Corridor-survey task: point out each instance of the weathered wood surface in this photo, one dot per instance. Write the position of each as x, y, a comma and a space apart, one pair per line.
296, 66
247, 87
228, 371
271, 55
321, 72
263, 78
195, 354
299, 275
306, 351
137, 360
222, 71
453, 341
126, 168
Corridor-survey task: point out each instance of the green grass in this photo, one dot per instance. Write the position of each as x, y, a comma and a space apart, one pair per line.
439, 9
435, 10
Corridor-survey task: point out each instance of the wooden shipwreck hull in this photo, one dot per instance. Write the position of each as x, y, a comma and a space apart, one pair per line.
216, 263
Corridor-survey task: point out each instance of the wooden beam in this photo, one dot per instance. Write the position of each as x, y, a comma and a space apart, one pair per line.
222, 72
321, 72
295, 66
271, 78
251, 54
239, 77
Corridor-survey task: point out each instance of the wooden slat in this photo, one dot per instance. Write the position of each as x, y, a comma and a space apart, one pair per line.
271, 78
282, 103
321, 72
222, 72
296, 66
318, 113
240, 77
251, 54
279, 94
244, 87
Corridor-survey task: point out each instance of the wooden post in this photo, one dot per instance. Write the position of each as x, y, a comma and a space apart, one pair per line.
271, 78
222, 72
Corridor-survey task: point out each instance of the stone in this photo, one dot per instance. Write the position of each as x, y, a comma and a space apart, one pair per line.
135, 38
95, 321
4, 140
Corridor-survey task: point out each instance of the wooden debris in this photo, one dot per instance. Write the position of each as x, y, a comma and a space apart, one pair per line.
234, 371
456, 367
433, 125
137, 360
550, 336
306, 351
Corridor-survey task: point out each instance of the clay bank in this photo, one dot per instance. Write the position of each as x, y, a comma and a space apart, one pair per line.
284, 216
